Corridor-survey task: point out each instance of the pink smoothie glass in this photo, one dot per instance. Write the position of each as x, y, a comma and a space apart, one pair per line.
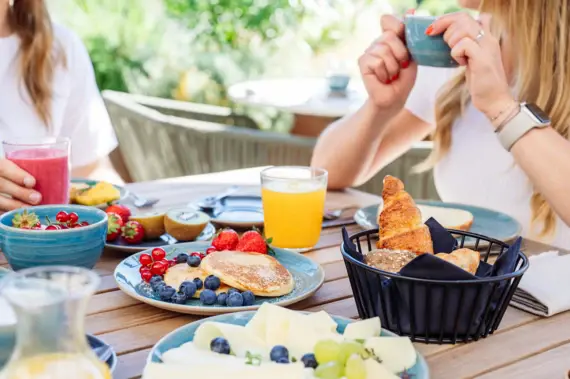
47, 160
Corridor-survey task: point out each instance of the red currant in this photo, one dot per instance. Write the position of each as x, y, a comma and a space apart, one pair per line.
145, 259
38, 225
143, 269
158, 268
63, 226
158, 254
84, 223
62, 216
72, 218
146, 276
198, 254
171, 262
210, 250
53, 227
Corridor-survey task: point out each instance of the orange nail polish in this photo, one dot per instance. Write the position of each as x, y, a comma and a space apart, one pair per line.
405, 64
429, 30
395, 77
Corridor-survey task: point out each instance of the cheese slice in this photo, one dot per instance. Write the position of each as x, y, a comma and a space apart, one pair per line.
303, 335
241, 339
264, 371
362, 330
189, 354
397, 353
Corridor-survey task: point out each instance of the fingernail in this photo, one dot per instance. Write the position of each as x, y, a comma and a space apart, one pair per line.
395, 77
406, 64
29, 181
429, 30
35, 198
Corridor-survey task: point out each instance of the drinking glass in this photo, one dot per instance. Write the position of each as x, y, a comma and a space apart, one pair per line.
50, 304
47, 160
293, 205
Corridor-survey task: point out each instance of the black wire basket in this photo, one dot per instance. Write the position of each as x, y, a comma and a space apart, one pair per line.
432, 311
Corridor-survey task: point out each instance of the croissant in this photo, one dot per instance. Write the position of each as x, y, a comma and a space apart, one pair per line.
400, 221
467, 259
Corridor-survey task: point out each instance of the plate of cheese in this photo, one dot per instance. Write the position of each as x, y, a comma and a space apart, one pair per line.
279, 343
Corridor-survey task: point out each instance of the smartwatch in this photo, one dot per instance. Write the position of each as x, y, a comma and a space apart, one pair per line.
529, 117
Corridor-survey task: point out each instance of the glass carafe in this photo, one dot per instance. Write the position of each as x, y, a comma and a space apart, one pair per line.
50, 305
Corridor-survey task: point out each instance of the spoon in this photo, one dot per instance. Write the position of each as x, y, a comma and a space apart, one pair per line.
336, 213
210, 202
141, 202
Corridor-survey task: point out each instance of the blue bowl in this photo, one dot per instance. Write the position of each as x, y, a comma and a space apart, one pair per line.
427, 50
80, 247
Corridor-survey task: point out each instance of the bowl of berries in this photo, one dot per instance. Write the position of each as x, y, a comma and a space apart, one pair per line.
71, 235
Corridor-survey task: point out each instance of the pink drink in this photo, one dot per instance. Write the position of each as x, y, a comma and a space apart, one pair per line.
50, 167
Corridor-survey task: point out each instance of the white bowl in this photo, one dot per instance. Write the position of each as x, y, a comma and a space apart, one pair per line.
7, 331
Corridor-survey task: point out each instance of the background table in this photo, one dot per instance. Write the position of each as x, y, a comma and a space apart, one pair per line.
525, 346
307, 98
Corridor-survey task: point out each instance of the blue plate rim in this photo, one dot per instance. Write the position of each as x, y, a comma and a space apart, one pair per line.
213, 311
420, 360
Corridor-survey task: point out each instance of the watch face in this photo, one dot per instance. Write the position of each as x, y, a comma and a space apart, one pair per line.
538, 113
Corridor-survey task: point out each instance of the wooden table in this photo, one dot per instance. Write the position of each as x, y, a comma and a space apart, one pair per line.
525, 346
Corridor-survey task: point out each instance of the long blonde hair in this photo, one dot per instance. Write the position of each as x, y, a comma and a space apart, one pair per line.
29, 19
540, 33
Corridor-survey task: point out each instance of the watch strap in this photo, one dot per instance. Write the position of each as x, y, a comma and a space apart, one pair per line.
517, 127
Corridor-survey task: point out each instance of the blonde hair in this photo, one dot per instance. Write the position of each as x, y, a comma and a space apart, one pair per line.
29, 19
541, 76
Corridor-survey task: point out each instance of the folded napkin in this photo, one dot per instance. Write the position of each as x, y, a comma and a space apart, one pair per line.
543, 290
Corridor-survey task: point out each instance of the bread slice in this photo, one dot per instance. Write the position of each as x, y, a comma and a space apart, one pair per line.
450, 218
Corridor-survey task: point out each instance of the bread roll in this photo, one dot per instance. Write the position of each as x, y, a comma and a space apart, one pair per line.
466, 259
400, 221
389, 260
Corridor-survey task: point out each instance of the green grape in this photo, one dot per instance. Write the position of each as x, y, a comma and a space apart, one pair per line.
355, 368
330, 370
327, 351
348, 348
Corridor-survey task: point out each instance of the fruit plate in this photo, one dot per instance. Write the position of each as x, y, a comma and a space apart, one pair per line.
120, 244
124, 192
185, 334
308, 275
485, 221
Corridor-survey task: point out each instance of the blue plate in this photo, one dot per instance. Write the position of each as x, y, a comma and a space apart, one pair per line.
186, 334
119, 244
308, 275
485, 221
124, 192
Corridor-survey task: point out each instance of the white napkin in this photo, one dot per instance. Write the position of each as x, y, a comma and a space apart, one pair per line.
544, 288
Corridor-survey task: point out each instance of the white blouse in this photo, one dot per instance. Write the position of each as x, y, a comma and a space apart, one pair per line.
78, 111
477, 170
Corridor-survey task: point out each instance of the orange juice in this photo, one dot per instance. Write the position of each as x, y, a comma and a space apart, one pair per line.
57, 366
293, 214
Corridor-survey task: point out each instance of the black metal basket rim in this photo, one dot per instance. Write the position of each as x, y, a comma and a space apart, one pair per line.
493, 279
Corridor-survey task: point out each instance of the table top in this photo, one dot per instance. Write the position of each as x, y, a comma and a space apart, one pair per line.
303, 96
524, 346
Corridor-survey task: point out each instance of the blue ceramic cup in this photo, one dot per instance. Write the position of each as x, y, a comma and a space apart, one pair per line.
426, 50
80, 247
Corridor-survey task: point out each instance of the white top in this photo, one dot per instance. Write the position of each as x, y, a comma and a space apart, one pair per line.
304, 96
477, 170
78, 111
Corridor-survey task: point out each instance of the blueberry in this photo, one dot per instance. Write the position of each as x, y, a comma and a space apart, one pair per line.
234, 300
212, 283
279, 352
283, 360
248, 298
232, 290
208, 297
155, 279
159, 286
199, 284
188, 288
178, 298
309, 360
222, 298
193, 261
220, 345
166, 292
182, 258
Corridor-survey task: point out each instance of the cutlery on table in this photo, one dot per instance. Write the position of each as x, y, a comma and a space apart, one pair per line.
141, 202
103, 353
335, 214
210, 202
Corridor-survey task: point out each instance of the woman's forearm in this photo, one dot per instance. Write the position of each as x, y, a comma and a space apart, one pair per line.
346, 149
545, 157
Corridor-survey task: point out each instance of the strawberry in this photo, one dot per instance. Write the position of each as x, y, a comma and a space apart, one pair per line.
132, 232
253, 242
226, 239
121, 210
114, 226
25, 220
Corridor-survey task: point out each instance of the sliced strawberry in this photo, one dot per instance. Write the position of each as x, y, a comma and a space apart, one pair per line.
114, 226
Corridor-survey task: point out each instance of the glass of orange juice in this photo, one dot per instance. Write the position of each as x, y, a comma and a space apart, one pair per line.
293, 205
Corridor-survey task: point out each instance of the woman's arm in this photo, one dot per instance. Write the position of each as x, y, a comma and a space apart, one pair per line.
354, 148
